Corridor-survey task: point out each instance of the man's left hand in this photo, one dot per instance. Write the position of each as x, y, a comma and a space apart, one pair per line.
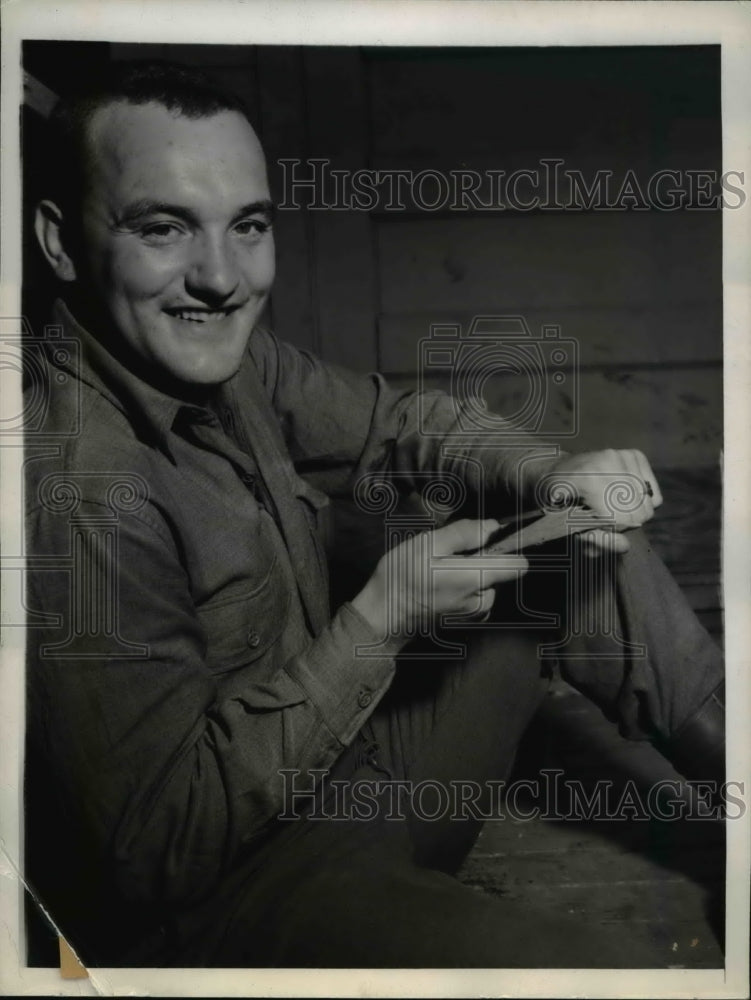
615, 483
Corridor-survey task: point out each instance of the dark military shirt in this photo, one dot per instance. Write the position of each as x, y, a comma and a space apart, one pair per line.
181, 651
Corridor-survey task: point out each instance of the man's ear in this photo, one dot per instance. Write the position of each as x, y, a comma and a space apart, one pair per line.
48, 226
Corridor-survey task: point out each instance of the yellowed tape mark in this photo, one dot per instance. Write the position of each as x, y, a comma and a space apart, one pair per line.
70, 967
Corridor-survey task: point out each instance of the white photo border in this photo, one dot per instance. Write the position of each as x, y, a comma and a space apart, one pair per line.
417, 22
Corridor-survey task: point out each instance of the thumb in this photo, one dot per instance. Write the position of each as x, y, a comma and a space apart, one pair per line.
465, 535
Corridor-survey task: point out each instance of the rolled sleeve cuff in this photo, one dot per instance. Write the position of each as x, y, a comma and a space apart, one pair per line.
346, 672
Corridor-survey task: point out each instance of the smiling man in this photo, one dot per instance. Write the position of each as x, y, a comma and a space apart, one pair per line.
190, 663
176, 237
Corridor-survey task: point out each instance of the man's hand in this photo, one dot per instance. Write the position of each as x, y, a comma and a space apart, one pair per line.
428, 576
619, 484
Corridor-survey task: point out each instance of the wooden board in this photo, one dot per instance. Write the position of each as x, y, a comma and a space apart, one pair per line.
673, 416
513, 262
640, 335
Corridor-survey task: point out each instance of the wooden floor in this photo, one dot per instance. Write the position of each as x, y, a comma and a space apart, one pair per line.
660, 881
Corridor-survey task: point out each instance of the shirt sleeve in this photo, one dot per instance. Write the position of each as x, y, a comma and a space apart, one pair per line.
170, 772
363, 425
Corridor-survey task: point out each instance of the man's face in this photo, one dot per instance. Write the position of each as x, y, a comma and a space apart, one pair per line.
177, 236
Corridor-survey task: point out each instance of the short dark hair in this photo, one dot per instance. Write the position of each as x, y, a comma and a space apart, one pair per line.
183, 90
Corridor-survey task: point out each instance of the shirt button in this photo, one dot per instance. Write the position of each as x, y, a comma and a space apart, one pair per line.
364, 699
254, 638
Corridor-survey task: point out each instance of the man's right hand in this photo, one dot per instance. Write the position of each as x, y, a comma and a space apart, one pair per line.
431, 575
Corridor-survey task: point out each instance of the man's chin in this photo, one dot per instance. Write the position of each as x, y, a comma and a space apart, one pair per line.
205, 364
205, 373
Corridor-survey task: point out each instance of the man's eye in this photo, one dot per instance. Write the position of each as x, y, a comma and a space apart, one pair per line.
252, 227
161, 232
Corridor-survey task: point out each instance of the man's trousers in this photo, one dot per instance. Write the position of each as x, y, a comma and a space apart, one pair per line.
367, 883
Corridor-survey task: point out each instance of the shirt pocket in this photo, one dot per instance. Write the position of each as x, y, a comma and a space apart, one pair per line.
241, 628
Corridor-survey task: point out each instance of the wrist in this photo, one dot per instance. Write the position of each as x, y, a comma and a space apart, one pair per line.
373, 606
544, 481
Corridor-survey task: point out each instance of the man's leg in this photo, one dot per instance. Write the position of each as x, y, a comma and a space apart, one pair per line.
351, 896
627, 638
452, 732
633, 645
367, 893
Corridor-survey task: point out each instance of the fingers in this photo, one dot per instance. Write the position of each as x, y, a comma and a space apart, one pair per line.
614, 483
465, 535
648, 476
495, 570
629, 498
478, 572
595, 543
487, 600
480, 605
457, 582
512, 567
637, 465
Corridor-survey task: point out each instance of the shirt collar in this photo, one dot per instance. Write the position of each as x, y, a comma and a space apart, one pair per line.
152, 411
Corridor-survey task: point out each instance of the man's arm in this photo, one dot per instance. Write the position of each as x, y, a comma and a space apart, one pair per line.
339, 425
171, 767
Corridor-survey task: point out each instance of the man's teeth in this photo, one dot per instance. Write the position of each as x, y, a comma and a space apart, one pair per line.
199, 315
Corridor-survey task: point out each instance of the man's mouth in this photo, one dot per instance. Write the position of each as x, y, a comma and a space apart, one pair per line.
200, 315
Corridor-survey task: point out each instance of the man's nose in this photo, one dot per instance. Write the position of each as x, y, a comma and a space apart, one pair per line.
213, 274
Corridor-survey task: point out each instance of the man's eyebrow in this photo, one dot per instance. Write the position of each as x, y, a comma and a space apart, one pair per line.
263, 207
145, 207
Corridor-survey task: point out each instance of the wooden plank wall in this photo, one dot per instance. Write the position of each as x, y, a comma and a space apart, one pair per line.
638, 291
